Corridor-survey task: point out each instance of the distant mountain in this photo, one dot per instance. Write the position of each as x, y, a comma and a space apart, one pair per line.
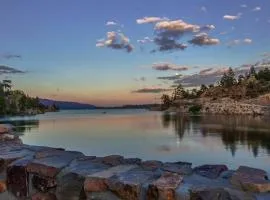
66, 105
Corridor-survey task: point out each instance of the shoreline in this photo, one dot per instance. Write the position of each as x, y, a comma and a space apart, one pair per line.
53, 173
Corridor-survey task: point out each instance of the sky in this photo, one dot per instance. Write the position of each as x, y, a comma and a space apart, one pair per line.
126, 52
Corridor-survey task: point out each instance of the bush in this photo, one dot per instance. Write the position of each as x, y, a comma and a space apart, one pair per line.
195, 109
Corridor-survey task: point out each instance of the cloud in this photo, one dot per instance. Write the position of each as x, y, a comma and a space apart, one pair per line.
257, 8
170, 78
9, 70
140, 79
151, 90
203, 8
239, 42
205, 71
202, 39
145, 40
9, 56
147, 20
207, 27
168, 44
243, 6
232, 17
247, 41
115, 40
169, 66
111, 23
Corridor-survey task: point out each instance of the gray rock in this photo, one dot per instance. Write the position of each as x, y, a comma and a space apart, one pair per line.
102, 196
251, 179
151, 165
178, 167
210, 171
113, 160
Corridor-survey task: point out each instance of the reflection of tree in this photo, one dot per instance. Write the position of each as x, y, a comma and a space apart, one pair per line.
22, 126
252, 132
166, 119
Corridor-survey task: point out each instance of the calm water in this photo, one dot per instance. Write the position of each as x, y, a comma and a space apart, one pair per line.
151, 135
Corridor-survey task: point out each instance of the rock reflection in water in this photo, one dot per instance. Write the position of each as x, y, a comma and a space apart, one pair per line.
22, 126
253, 132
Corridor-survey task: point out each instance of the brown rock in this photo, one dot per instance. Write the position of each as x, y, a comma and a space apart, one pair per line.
151, 164
181, 168
3, 186
113, 160
251, 179
164, 187
43, 184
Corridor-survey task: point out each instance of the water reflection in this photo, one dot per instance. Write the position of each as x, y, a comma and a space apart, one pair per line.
22, 126
234, 131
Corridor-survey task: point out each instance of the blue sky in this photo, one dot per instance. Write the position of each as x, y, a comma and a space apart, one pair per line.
56, 43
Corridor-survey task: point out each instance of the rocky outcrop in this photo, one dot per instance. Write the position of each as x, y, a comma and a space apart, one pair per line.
33, 172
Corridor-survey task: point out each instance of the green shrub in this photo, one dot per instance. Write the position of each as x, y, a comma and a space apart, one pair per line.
195, 109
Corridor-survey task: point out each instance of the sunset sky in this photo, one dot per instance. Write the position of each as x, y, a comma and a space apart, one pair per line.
126, 52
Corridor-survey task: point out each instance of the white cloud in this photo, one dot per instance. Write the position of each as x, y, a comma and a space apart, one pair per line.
147, 20
203, 39
145, 40
232, 17
243, 6
203, 8
247, 40
111, 23
258, 8
238, 42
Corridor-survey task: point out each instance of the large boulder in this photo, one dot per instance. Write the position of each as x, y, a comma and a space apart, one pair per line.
182, 168
6, 128
210, 171
164, 187
251, 179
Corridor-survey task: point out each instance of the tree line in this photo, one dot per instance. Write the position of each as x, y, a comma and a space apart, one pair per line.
249, 85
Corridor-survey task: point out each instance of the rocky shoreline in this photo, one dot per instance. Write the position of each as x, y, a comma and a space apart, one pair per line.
44, 173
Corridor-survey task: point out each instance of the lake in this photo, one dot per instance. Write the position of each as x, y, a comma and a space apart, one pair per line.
230, 140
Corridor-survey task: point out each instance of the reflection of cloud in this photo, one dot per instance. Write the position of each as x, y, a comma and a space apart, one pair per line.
147, 20
151, 90
10, 56
115, 40
169, 66
232, 17
9, 70
203, 39
145, 40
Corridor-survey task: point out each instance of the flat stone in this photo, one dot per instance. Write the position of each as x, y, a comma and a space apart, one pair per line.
49, 163
210, 171
3, 186
17, 177
181, 168
151, 164
251, 179
132, 185
132, 161
43, 196
97, 182
164, 187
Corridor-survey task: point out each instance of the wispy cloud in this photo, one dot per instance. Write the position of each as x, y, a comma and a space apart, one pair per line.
243, 6
147, 20
203, 39
9, 56
9, 70
151, 90
169, 66
140, 79
257, 8
116, 40
145, 40
239, 42
170, 78
111, 23
204, 9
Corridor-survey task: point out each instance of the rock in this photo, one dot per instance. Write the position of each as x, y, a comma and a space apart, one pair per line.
6, 128
164, 187
132, 185
97, 182
43, 196
3, 186
210, 171
251, 179
43, 184
181, 168
132, 161
227, 174
102, 196
70, 187
113, 160
49, 163
17, 177
151, 164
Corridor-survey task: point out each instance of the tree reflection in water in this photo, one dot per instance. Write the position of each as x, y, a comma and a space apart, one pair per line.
22, 126
234, 131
